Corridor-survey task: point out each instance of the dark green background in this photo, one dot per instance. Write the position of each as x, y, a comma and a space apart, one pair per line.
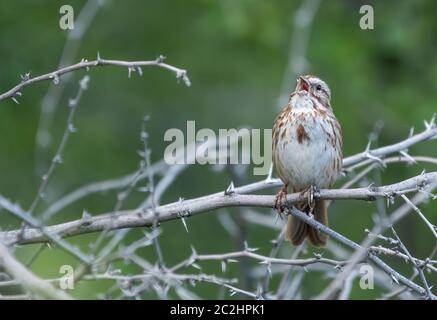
235, 52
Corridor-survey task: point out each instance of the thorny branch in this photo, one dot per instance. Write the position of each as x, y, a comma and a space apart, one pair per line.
145, 217
139, 217
161, 278
238, 196
27, 216
132, 66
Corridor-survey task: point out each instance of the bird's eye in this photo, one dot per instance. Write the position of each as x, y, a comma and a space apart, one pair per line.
319, 87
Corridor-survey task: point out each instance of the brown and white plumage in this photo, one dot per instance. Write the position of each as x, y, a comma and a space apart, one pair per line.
307, 152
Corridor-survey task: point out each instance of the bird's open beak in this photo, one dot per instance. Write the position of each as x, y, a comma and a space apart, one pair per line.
303, 84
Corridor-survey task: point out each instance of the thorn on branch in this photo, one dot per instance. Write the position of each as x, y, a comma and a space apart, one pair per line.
57, 159
160, 59
86, 218
14, 97
25, 77
230, 190
184, 223
55, 78
83, 83
431, 124
85, 61
223, 265
246, 246
72, 128
369, 143
72, 103
408, 157
193, 252
317, 255
370, 156
139, 70
129, 71
195, 265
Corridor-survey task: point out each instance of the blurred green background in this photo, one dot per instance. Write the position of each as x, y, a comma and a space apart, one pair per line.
236, 53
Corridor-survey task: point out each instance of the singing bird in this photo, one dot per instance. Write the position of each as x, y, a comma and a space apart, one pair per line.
307, 154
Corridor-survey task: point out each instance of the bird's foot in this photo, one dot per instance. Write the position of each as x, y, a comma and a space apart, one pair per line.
280, 200
310, 193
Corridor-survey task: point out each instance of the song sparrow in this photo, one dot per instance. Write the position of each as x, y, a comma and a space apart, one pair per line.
307, 153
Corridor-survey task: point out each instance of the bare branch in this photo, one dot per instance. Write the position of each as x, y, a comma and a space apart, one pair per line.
421, 215
57, 159
359, 253
382, 265
144, 217
389, 252
429, 133
86, 65
27, 279
419, 269
263, 259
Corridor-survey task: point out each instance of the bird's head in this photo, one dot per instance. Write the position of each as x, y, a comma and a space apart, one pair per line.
316, 87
